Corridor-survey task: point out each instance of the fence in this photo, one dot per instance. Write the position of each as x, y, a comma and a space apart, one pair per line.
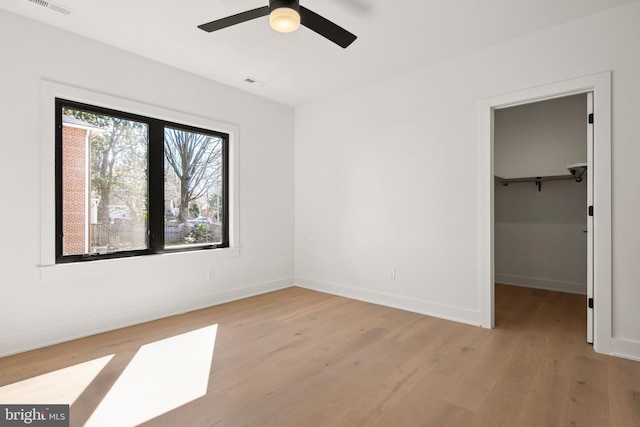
177, 234
126, 235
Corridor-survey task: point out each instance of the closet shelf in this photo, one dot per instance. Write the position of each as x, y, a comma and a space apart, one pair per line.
577, 170
507, 181
535, 179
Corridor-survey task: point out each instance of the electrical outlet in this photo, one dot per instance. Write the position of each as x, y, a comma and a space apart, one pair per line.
391, 274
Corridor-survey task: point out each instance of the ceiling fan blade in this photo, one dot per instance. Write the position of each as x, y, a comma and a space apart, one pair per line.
326, 28
234, 19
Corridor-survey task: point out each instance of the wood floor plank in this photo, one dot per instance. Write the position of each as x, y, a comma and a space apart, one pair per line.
213, 402
504, 403
296, 357
545, 401
588, 398
625, 406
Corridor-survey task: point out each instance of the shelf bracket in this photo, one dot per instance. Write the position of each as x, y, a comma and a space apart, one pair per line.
578, 174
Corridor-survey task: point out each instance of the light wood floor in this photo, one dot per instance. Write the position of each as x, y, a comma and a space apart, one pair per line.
301, 358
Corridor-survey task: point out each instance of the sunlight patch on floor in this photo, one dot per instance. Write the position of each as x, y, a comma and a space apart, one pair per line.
58, 387
162, 376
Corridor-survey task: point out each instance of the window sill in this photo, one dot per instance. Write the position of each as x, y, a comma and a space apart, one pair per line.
116, 266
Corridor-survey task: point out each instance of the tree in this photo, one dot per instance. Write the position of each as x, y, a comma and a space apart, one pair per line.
118, 162
196, 161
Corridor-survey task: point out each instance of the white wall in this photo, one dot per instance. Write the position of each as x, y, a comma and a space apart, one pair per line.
541, 138
37, 311
539, 238
387, 175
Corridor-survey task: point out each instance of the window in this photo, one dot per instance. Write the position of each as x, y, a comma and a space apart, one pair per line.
131, 185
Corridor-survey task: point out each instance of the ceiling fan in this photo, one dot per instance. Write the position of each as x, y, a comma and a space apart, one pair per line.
286, 16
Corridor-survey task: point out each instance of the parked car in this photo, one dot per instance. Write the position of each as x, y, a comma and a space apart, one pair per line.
203, 219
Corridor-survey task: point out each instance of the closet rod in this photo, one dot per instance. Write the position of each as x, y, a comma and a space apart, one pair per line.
536, 179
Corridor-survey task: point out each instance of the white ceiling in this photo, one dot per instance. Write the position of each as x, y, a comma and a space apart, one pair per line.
298, 68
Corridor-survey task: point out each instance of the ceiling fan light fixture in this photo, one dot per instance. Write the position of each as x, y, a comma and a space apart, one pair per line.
284, 19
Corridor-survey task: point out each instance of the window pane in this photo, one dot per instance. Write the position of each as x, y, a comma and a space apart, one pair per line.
193, 196
104, 183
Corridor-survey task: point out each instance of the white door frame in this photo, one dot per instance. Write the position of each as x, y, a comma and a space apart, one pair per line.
600, 85
589, 237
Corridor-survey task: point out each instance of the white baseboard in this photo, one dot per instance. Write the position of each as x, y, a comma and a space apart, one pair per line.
549, 285
427, 308
37, 339
626, 349
58, 334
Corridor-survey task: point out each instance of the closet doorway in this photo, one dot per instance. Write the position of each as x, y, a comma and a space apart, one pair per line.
542, 190
599, 171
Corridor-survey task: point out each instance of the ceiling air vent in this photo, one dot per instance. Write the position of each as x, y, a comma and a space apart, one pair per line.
252, 81
53, 6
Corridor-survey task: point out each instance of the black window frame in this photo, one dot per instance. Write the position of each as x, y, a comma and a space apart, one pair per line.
155, 184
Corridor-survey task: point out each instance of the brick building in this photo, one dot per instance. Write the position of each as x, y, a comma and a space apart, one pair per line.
78, 206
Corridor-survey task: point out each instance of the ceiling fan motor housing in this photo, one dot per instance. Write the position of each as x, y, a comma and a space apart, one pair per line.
286, 16
290, 4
